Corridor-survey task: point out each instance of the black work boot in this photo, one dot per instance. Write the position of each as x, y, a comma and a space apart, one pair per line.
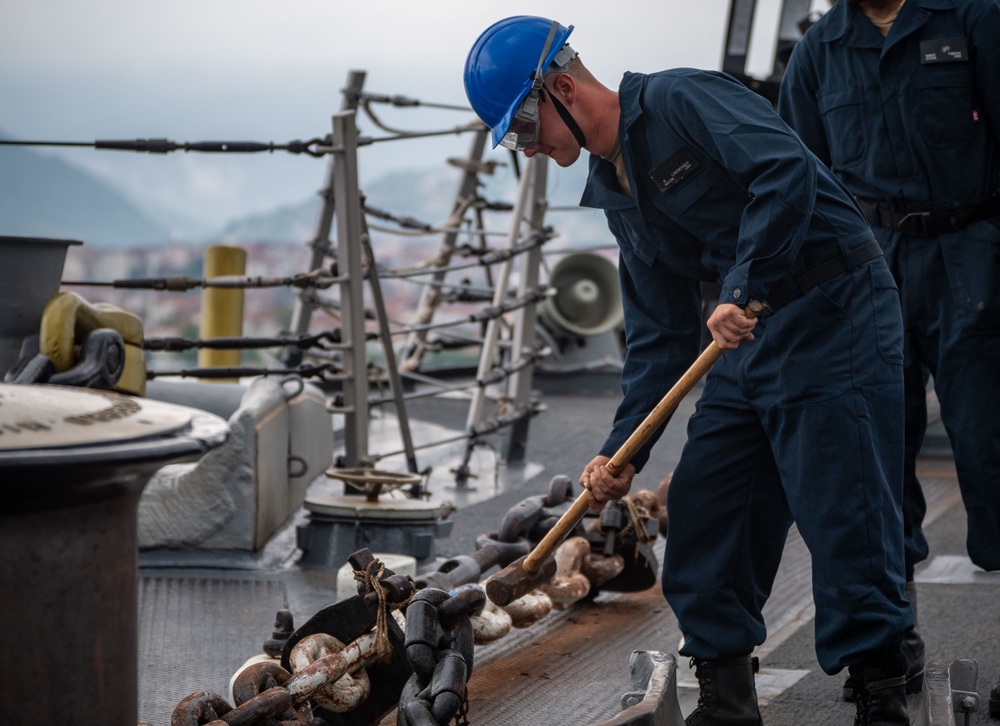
913, 649
728, 696
879, 690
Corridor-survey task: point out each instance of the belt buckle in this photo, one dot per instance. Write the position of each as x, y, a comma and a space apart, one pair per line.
914, 223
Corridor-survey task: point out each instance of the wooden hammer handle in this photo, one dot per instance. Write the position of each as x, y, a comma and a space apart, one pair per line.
624, 455
667, 405
533, 561
661, 412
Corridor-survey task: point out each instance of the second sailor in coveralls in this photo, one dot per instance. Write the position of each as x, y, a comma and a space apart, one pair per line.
801, 419
902, 101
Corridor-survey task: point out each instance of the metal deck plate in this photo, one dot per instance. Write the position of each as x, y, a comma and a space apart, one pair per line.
194, 633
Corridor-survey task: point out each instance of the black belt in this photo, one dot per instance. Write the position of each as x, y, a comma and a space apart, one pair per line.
817, 275
929, 224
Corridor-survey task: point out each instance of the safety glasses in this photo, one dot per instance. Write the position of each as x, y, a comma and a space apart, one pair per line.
523, 130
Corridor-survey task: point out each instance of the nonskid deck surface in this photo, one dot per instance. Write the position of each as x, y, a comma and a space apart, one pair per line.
197, 626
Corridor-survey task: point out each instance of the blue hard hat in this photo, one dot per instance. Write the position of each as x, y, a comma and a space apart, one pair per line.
500, 66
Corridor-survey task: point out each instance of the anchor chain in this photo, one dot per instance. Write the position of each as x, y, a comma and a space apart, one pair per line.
439, 647
443, 616
527, 522
325, 672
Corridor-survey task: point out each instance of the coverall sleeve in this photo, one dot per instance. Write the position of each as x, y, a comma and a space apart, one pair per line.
986, 41
798, 102
740, 131
662, 334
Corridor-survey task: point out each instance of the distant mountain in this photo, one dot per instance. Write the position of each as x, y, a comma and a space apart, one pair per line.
41, 196
426, 196
292, 224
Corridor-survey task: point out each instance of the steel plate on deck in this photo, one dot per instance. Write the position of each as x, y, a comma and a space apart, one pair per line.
195, 633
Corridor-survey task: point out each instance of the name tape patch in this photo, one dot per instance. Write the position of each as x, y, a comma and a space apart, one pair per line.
674, 169
944, 50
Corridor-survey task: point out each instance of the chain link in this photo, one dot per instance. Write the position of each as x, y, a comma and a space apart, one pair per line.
462, 717
440, 625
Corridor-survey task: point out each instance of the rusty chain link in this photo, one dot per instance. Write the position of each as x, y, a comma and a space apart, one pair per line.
441, 626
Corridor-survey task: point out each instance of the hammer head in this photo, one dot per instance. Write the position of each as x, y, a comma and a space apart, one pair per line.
514, 581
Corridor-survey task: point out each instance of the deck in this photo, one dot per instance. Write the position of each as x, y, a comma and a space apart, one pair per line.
199, 624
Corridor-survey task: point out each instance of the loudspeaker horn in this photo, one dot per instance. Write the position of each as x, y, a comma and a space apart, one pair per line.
588, 297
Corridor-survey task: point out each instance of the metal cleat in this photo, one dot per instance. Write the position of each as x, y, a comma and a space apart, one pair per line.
653, 698
949, 689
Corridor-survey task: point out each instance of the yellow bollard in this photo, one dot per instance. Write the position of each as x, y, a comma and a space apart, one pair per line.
221, 308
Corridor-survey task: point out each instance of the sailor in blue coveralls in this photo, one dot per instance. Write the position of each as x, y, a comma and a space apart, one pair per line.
902, 101
801, 419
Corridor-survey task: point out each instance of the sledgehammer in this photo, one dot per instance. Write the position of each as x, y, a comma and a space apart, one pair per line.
525, 574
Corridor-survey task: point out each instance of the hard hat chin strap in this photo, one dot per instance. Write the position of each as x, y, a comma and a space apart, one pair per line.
568, 119
537, 77
537, 84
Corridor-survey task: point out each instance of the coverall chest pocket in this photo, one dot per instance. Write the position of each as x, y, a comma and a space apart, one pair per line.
696, 199
682, 178
944, 106
843, 113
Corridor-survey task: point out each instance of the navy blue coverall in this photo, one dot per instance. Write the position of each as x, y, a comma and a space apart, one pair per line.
803, 423
911, 124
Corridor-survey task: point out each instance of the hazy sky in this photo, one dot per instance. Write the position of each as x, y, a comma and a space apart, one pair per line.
272, 70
